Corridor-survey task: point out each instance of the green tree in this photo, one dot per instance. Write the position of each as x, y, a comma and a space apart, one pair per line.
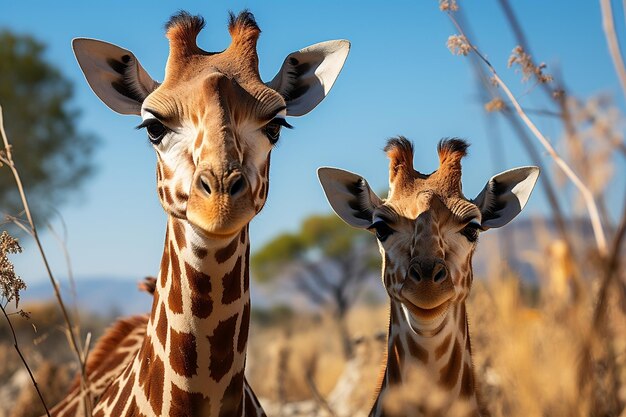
326, 260
52, 155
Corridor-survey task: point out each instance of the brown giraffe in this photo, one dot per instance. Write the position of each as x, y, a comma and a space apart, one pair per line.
427, 233
213, 124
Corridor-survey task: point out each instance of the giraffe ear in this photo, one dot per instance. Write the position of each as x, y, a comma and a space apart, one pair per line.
349, 195
307, 75
505, 195
114, 74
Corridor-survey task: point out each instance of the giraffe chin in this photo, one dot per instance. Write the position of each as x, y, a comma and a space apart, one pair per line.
218, 229
426, 300
427, 314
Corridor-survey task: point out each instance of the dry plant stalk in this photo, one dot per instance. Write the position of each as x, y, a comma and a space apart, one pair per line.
578, 183
6, 158
613, 44
10, 287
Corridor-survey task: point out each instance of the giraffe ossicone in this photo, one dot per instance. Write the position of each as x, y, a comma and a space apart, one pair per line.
427, 232
213, 123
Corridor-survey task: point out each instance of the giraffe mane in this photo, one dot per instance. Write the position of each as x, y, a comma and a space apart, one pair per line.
109, 342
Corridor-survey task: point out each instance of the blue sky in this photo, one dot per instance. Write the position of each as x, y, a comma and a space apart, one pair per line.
399, 79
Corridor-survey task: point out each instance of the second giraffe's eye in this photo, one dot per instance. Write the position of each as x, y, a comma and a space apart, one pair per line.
382, 230
156, 130
272, 129
470, 231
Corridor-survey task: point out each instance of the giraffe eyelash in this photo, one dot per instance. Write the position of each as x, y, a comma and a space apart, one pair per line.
156, 130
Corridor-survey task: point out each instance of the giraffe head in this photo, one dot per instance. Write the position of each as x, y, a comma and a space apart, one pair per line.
212, 121
427, 230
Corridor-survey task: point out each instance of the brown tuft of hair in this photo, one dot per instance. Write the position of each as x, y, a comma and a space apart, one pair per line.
182, 30
243, 26
400, 153
451, 150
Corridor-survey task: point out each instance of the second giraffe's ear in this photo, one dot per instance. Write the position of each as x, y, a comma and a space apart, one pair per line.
307, 75
114, 74
505, 195
349, 195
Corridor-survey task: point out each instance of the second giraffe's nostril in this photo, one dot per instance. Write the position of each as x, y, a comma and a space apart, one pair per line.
237, 185
440, 275
205, 185
415, 274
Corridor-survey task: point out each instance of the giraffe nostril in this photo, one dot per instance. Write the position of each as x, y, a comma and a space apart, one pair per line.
414, 273
237, 186
440, 275
205, 185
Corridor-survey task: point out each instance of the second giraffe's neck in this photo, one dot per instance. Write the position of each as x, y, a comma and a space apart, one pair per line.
199, 324
421, 355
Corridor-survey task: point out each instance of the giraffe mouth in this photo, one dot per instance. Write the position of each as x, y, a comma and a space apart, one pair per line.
427, 313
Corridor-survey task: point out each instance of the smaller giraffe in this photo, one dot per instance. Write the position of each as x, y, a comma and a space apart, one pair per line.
427, 232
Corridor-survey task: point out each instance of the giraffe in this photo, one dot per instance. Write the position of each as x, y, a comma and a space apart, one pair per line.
427, 232
213, 124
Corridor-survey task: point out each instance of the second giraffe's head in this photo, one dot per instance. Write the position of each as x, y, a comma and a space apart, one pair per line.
427, 229
212, 121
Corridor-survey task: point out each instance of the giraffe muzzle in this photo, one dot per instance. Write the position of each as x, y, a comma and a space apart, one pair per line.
220, 203
427, 288
428, 270
230, 184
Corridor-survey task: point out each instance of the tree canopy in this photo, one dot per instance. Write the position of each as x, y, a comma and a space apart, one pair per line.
326, 260
51, 154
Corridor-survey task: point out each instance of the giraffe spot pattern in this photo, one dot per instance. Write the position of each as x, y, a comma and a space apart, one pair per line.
222, 349
200, 285
224, 254
133, 411
199, 252
232, 401
467, 382
183, 354
154, 386
449, 374
393, 368
443, 347
179, 234
244, 328
416, 350
165, 266
182, 196
185, 404
175, 298
119, 405
112, 393
161, 329
231, 284
246, 272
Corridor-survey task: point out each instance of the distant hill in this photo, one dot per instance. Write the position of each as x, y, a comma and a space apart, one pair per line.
99, 295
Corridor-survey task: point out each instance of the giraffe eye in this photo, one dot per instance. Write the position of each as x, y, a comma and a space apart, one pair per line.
382, 230
470, 231
272, 129
156, 130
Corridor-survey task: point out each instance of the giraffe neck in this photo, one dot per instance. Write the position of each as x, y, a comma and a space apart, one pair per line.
438, 352
193, 356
